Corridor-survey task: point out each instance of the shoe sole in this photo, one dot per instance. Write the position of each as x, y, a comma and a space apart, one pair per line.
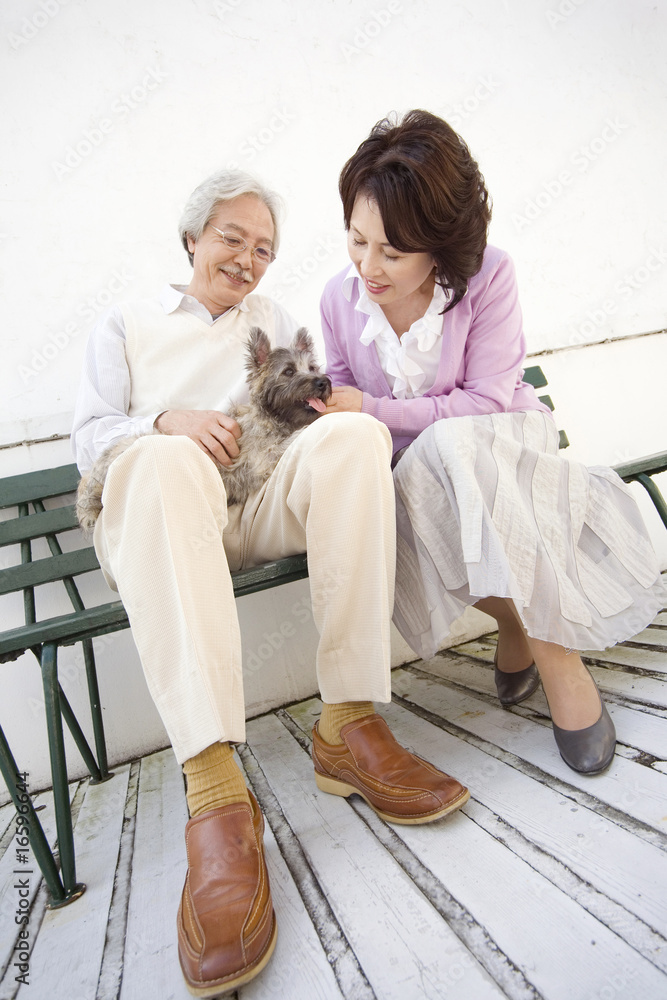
517, 701
336, 787
597, 770
211, 992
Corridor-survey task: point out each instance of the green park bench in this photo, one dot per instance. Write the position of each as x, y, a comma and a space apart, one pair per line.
44, 636
640, 470
27, 495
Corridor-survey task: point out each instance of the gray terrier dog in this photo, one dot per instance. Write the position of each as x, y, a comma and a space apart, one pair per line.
287, 392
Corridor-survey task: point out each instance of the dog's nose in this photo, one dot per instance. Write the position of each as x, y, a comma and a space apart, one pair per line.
323, 383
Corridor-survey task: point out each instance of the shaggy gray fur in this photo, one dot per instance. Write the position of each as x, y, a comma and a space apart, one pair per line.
280, 382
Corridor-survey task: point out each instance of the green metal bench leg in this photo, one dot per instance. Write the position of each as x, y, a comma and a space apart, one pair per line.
79, 737
49, 664
96, 711
655, 495
38, 841
98, 769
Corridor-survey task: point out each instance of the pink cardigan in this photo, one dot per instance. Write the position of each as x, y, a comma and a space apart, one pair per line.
480, 371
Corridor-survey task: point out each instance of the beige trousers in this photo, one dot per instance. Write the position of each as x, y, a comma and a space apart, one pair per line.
167, 543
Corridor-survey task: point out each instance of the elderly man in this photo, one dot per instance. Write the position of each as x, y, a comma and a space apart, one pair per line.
167, 542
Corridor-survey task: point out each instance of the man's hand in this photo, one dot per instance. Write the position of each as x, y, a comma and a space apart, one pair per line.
214, 432
345, 399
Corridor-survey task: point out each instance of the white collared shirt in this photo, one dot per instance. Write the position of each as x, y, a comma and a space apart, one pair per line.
101, 411
410, 364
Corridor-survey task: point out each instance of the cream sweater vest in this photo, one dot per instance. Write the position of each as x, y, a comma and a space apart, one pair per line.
177, 361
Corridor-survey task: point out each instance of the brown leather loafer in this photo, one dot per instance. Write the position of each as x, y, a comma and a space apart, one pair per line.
398, 785
226, 923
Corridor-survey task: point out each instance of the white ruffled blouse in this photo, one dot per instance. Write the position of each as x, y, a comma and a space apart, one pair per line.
410, 364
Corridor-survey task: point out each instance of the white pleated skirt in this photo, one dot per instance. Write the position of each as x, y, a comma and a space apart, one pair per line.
488, 507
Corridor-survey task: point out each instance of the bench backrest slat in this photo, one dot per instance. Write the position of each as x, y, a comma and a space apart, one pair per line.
534, 376
32, 574
38, 485
20, 529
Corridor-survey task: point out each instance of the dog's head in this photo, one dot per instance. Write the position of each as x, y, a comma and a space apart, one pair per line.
286, 381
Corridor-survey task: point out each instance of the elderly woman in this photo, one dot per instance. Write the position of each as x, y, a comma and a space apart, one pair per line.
424, 332
167, 542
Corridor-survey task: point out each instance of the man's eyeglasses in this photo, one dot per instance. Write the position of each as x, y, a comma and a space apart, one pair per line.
262, 254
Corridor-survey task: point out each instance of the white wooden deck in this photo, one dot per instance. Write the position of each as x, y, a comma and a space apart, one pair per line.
548, 884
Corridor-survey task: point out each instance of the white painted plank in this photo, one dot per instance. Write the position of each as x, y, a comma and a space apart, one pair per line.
473, 674
610, 679
627, 656
151, 967
635, 728
298, 968
651, 637
636, 790
661, 619
306, 713
597, 850
402, 944
532, 920
640, 730
111, 971
616, 863
347, 971
65, 963
8, 877
639, 935
7, 813
563, 951
154, 916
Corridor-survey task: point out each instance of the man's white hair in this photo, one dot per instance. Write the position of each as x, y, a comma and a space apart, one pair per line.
220, 187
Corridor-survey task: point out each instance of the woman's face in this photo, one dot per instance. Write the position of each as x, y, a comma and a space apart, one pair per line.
388, 275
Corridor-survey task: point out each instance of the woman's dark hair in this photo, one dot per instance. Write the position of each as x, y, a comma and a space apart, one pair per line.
430, 193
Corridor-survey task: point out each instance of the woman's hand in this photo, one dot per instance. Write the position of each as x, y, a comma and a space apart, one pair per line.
345, 399
214, 432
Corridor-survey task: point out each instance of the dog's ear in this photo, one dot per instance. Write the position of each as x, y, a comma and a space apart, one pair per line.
303, 341
259, 348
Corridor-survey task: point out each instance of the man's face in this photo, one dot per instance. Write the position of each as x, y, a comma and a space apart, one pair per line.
223, 277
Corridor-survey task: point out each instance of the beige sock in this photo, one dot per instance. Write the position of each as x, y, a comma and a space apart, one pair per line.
214, 779
334, 717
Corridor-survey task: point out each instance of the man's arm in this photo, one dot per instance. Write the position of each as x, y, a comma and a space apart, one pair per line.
101, 418
103, 399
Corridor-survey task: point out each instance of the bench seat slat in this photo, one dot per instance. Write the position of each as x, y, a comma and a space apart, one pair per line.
36, 525
38, 485
246, 581
32, 574
250, 581
66, 629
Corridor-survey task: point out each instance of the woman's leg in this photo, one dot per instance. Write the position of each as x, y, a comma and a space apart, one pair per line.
514, 654
573, 699
570, 690
583, 730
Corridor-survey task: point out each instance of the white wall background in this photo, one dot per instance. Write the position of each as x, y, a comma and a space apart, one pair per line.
114, 111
